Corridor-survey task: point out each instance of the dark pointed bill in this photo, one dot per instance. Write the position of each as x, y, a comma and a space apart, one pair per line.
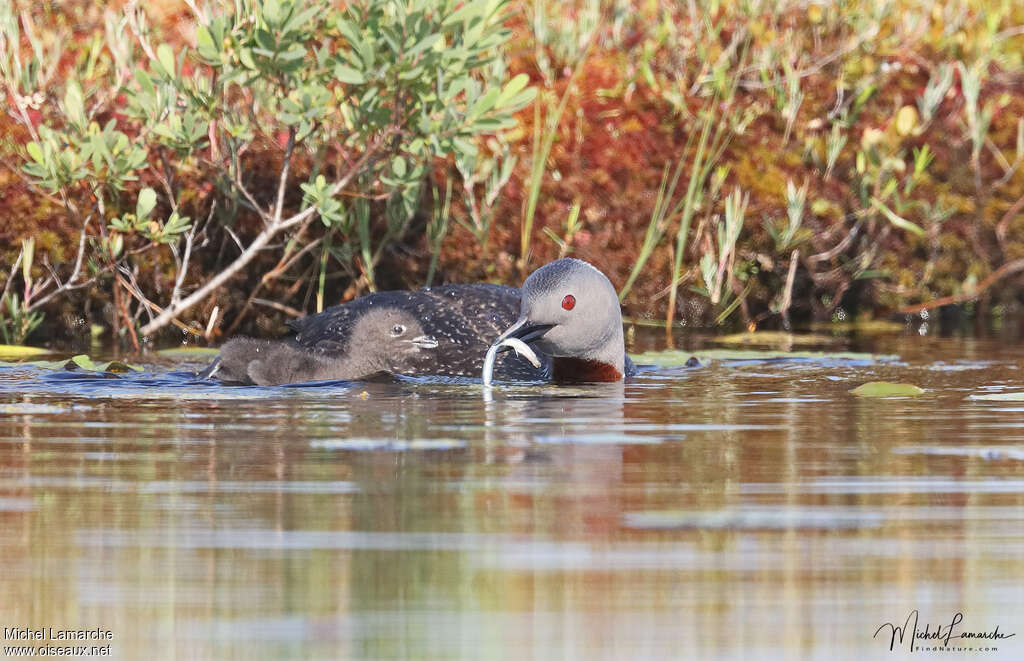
525, 330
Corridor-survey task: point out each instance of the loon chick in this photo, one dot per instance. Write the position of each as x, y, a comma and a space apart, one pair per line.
381, 340
570, 311
435, 331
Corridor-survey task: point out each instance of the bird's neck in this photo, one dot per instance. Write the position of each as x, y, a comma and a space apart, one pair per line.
583, 370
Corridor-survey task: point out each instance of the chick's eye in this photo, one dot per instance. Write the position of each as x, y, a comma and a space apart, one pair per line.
397, 329
569, 302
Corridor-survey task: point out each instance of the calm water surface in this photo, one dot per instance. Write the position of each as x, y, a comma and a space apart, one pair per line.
746, 509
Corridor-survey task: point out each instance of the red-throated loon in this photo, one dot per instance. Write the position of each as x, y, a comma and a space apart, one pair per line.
567, 311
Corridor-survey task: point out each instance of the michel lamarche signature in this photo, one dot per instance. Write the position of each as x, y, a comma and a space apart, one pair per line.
929, 637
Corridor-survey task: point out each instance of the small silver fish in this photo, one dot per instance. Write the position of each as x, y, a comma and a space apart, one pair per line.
521, 348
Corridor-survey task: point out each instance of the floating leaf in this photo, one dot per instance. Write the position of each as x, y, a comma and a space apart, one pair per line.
11, 351
867, 326
775, 339
1001, 396
42, 364
887, 389
189, 351
113, 366
79, 362
677, 358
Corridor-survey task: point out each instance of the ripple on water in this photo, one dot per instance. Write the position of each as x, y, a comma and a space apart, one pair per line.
989, 453
387, 444
606, 439
999, 396
886, 485
179, 486
757, 517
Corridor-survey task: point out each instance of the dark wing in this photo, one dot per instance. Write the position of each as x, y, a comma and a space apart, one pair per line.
487, 309
465, 315
465, 320
473, 314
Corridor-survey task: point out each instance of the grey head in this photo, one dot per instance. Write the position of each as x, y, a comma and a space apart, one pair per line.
569, 309
383, 340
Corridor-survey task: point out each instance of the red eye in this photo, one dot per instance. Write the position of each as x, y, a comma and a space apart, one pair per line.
569, 302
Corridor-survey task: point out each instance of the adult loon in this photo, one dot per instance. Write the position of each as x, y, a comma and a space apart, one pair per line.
567, 310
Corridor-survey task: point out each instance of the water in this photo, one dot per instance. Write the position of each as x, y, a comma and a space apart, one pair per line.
746, 509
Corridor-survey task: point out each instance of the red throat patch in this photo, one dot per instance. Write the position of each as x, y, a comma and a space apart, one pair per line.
579, 370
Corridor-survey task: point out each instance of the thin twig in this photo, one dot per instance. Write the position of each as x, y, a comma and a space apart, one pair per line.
280, 307
10, 278
186, 255
253, 204
285, 167
122, 308
208, 334
150, 304
1007, 269
787, 294
1004, 223
838, 248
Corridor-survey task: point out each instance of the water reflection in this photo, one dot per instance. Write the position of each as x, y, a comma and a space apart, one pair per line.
740, 510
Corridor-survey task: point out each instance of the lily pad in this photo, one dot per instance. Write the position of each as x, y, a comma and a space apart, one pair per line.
185, 352
866, 327
775, 339
678, 358
12, 351
79, 362
887, 389
86, 363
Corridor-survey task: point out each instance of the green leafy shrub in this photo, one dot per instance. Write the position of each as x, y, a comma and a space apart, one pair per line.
354, 106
